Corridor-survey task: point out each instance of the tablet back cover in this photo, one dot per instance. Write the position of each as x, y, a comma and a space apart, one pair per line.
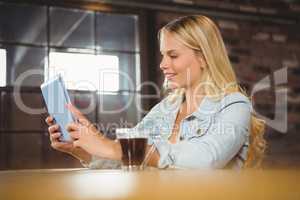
56, 98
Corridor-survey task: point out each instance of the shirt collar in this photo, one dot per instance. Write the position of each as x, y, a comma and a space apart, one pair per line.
206, 108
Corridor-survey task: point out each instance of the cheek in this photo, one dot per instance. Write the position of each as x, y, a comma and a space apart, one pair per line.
187, 69
181, 66
196, 71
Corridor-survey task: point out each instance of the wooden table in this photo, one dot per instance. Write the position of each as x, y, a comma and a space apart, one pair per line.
149, 184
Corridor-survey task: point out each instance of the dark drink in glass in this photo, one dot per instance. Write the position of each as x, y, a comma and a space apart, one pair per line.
133, 152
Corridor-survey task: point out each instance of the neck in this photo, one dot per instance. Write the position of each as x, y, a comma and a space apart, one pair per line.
193, 98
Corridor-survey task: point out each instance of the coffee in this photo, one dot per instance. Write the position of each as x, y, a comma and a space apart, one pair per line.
133, 151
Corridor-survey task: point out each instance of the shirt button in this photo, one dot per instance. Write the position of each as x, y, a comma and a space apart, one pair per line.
199, 131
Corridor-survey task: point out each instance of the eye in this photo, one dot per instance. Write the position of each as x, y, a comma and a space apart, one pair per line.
173, 56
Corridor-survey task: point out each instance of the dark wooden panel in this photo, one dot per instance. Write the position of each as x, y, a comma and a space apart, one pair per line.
55, 159
24, 150
3, 153
24, 114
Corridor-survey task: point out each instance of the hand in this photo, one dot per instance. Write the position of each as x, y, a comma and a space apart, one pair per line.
87, 137
67, 147
54, 135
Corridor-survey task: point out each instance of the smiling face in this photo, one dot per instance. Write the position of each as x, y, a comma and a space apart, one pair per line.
181, 65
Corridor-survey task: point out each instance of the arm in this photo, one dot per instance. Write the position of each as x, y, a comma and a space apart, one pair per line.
81, 155
88, 138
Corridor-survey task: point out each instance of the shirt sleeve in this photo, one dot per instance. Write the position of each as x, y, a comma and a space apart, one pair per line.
150, 124
216, 147
147, 125
100, 163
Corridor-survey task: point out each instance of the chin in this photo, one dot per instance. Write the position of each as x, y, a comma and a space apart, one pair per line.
171, 85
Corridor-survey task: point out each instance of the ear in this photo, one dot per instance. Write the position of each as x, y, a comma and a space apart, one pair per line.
201, 60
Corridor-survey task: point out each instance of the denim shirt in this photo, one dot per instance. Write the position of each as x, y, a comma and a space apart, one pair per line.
215, 136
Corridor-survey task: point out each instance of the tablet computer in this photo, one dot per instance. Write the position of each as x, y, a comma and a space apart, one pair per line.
56, 97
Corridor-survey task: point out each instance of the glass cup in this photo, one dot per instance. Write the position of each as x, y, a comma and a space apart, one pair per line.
133, 144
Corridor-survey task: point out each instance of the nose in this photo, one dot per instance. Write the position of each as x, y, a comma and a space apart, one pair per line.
163, 63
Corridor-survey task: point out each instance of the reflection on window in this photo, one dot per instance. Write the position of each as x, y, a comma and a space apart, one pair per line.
86, 71
2, 67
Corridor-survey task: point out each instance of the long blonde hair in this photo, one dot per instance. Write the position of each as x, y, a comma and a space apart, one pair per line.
202, 35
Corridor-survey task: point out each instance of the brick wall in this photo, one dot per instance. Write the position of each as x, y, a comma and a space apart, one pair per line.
257, 51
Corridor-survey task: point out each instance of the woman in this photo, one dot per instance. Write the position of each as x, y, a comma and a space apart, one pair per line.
205, 121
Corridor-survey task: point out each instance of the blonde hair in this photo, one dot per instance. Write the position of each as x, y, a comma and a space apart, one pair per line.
202, 35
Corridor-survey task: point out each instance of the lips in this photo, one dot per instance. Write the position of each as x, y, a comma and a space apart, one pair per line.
169, 76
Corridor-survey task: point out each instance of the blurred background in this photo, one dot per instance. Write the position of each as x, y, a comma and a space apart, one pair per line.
82, 37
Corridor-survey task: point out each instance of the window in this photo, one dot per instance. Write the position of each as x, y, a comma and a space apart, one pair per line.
2, 67
85, 71
95, 51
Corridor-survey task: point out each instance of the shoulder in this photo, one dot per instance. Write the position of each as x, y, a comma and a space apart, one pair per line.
212, 106
232, 107
162, 108
235, 108
166, 106
232, 100
157, 115
235, 96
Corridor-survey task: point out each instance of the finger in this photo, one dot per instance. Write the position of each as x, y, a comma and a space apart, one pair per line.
58, 145
55, 136
72, 126
76, 112
49, 120
84, 122
75, 135
77, 143
53, 128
